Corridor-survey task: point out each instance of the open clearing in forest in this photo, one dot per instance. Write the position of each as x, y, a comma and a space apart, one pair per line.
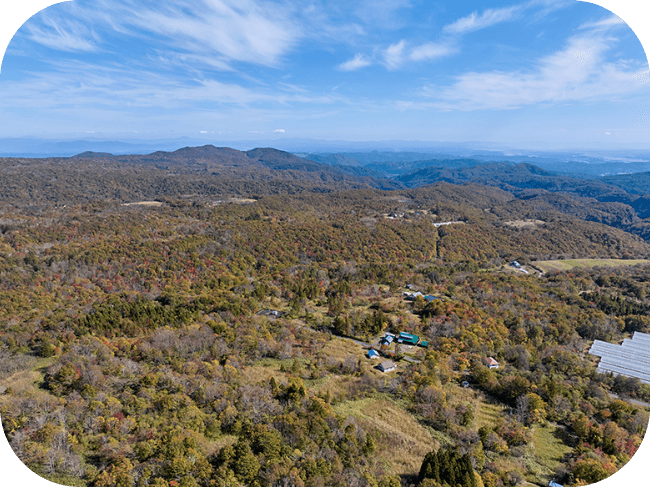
402, 442
548, 450
487, 414
565, 265
524, 223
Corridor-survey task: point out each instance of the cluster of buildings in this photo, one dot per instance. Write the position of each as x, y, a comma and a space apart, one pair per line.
405, 338
386, 366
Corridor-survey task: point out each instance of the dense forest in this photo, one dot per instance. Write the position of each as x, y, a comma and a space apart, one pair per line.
221, 339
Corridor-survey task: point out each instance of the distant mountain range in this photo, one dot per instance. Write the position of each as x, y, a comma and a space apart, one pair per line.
209, 172
585, 165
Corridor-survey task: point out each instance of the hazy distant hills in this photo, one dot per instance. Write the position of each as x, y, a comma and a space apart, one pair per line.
638, 183
517, 177
206, 171
209, 172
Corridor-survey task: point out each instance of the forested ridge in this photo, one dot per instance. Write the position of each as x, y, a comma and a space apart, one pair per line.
204, 340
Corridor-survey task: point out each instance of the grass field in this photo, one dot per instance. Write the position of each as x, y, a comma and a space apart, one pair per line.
548, 450
565, 265
403, 441
487, 414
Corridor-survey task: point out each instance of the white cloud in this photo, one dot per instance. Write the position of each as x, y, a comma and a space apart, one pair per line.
578, 72
252, 31
359, 61
63, 35
279, 131
488, 18
240, 30
430, 51
603, 24
394, 55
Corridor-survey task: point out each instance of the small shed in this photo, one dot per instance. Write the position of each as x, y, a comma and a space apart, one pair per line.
492, 364
373, 353
387, 366
554, 484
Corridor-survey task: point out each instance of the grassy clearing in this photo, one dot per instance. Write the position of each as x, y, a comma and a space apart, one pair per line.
549, 447
263, 372
211, 447
565, 265
339, 349
487, 414
403, 442
524, 223
26, 382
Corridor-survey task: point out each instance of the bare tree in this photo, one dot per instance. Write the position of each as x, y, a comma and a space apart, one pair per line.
522, 410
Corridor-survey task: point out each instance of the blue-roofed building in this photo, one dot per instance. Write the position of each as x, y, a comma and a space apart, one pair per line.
373, 353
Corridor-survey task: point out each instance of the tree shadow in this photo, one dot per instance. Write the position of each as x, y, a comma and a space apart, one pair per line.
408, 479
565, 437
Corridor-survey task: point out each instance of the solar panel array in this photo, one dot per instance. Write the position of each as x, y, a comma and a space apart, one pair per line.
630, 359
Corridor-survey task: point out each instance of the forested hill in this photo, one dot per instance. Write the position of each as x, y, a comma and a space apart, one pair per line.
394, 169
517, 177
637, 183
211, 173
206, 171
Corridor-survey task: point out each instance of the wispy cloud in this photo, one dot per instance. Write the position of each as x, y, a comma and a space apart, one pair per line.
577, 72
241, 30
488, 18
430, 51
258, 32
63, 35
119, 88
359, 61
609, 22
394, 55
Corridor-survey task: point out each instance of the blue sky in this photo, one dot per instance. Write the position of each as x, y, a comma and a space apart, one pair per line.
555, 73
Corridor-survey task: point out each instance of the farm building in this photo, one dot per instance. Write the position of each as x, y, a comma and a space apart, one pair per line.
387, 366
408, 339
492, 364
630, 359
387, 339
373, 353
423, 344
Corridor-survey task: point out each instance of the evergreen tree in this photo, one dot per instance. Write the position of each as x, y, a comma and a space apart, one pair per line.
448, 467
